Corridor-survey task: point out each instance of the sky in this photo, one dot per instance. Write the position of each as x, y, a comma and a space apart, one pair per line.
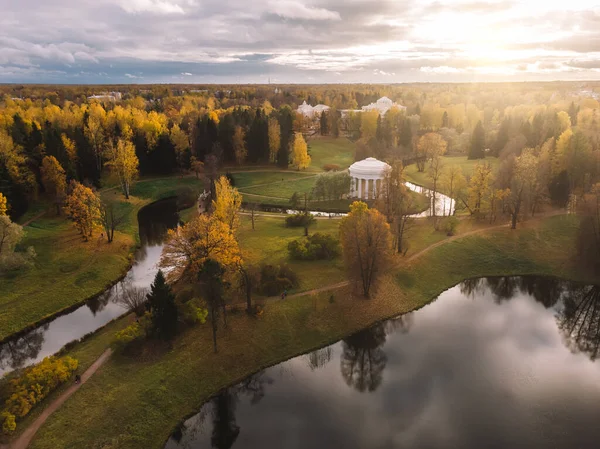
295, 41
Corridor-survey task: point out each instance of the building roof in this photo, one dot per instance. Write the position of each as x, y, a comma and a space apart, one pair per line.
369, 167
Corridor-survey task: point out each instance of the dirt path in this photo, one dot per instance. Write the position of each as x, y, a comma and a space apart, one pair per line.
25, 438
32, 219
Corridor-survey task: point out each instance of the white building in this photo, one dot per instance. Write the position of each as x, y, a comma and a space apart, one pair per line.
366, 178
110, 96
312, 111
382, 105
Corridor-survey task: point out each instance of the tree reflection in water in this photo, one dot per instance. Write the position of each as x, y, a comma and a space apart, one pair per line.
363, 360
15, 353
221, 408
319, 358
97, 304
579, 319
577, 305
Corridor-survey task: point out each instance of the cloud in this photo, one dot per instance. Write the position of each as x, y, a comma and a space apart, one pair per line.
296, 10
152, 6
242, 41
186, 73
129, 75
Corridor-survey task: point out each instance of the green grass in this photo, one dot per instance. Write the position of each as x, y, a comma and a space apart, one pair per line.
284, 189
268, 244
136, 402
68, 270
244, 180
327, 150
467, 166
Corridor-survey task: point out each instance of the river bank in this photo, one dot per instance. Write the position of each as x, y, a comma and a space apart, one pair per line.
153, 391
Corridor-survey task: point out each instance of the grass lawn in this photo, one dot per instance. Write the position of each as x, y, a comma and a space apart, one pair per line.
281, 189
136, 401
327, 150
467, 166
268, 244
67, 270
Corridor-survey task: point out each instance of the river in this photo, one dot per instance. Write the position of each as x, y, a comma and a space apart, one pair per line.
494, 363
49, 338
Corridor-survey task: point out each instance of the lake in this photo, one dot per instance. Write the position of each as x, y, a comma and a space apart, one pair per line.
492, 363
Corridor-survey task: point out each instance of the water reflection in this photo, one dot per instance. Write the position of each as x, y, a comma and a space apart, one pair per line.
498, 362
363, 359
154, 221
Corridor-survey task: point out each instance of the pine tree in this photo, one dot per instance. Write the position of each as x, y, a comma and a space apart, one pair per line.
161, 302
477, 149
286, 122
324, 123
503, 136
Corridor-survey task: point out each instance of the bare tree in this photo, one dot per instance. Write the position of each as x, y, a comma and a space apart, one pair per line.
110, 219
133, 298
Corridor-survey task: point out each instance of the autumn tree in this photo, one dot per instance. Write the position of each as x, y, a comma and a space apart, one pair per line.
161, 302
204, 237
54, 180
3, 205
365, 238
197, 165
300, 157
477, 148
211, 280
453, 181
436, 169
95, 134
82, 206
429, 145
249, 278
226, 206
181, 144
110, 219
274, 139
10, 234
476, 196
123, 160
239, 145
525, 169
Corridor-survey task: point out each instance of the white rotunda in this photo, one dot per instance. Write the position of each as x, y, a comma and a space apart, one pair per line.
367, 176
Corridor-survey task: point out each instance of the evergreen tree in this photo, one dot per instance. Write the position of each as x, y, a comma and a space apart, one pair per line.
406, 134
334, 115
324, 123
286, 122
477, 149
161, 303
211, 278
445, 121
573, 111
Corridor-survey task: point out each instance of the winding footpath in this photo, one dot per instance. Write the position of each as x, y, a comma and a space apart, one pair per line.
22, 442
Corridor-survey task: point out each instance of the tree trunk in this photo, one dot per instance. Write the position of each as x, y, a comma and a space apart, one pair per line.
214, 327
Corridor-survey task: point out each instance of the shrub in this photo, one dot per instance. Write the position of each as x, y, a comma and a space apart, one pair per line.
132, 332
331, 167
299, 220
192, 314
275, 279
33, 386
315, 247
450, 225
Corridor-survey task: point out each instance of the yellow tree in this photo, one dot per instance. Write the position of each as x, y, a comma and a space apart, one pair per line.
300, 157
94, 132
204, 237
368, 124
239, 146
54, 180
226, 206
197, 165
71, 150
477, 195
274, 139
181, 143
82, 205
453, 182
366, 239
3, 205
429, 145
123, 160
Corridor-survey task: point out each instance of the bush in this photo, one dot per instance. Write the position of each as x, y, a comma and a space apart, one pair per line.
451, 225
33, 386
275, 279
315, 247
299, 220
131, 333
192, 314
331, 167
